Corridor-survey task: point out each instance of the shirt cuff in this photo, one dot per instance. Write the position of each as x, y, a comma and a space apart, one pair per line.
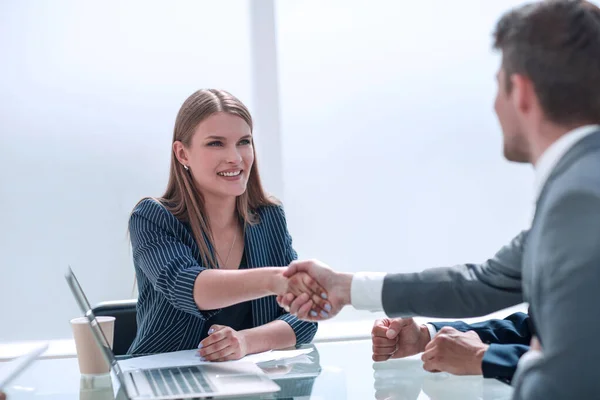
366, 291
432, 331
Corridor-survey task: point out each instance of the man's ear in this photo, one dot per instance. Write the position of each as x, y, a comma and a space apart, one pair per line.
522, 93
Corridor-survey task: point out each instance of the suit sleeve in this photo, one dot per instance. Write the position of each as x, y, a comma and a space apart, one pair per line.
500, 360
513, 329
508, 338
467, 290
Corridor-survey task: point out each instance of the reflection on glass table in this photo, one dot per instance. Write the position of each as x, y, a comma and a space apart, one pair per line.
96, 388
295, 376
405, 379
335, 370
304, 377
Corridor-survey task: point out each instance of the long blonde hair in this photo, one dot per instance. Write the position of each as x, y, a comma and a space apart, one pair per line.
182, 198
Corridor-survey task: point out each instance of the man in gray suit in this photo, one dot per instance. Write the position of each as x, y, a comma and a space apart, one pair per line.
548, 105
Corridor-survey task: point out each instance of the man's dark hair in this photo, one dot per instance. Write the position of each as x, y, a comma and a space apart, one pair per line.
556, 44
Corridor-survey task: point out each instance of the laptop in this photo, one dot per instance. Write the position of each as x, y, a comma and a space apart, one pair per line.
200, 380
11, 369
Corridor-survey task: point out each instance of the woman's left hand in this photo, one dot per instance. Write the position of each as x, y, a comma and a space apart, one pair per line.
223, 344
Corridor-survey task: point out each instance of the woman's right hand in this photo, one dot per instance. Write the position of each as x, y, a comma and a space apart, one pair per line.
301, 285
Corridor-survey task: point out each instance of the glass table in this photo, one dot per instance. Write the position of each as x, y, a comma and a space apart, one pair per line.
346, 372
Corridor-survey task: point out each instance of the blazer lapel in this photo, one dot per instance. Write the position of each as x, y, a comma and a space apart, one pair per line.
249, 240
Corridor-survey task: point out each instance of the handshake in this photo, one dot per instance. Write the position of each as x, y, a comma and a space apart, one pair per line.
312, 291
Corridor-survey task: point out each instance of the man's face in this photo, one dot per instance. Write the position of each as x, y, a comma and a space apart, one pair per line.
516, 147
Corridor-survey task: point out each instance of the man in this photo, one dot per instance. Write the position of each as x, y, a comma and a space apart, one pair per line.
490, 348
548, 105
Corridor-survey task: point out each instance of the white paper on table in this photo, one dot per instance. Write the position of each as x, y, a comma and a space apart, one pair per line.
274, 355
188, 357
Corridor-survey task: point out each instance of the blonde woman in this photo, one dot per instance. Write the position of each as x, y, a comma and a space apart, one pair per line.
199, 250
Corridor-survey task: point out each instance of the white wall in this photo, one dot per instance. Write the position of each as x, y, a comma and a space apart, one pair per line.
392, 153
88, 99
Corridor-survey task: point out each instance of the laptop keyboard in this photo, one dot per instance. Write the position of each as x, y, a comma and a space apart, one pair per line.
175, 381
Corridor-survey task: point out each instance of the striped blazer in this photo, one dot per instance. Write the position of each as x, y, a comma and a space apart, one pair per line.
167, 262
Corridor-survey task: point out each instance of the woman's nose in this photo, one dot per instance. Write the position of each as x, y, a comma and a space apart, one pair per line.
234, 156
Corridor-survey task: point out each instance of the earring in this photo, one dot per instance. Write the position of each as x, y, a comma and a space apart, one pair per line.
186, 167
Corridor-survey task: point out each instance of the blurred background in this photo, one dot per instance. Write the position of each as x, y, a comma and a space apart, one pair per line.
374, 126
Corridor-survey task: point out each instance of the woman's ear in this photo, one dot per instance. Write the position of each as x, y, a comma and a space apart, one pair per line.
181, 153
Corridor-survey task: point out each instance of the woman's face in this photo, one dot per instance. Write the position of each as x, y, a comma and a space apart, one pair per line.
220, 155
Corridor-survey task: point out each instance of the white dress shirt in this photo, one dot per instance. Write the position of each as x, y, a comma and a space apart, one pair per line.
367, 287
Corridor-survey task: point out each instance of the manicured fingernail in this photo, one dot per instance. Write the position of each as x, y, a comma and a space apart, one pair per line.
210, 331
200, 346
324, 295
324, 314
327, 307
313, 313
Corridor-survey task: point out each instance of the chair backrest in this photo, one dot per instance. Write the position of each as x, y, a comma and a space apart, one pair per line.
124, 312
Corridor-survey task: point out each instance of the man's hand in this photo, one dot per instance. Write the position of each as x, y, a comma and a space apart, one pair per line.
336, 285
459, 353
398, 338
301, 284
223, 344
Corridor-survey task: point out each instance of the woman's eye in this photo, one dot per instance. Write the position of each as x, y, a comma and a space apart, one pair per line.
245, 142
215, 144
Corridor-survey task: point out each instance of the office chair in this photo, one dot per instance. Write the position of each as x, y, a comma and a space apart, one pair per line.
124, 312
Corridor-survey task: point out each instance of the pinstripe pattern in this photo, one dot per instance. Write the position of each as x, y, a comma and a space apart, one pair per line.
167, 262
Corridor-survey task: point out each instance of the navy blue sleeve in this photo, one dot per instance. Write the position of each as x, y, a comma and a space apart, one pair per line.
500, 360
514, 329
164, 259
508, 338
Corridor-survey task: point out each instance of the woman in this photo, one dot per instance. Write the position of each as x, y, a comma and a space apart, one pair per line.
198, 249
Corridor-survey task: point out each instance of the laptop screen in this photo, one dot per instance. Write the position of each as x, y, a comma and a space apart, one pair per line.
86, 308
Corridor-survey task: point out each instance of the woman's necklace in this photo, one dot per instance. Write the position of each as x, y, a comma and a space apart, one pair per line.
230, 249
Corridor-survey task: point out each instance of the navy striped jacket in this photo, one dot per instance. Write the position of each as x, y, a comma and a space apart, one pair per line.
167, 262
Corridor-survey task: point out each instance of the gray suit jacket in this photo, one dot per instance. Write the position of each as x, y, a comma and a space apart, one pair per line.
555, 267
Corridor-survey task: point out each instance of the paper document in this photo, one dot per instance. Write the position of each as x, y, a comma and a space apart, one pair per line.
274, 355
188, 357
